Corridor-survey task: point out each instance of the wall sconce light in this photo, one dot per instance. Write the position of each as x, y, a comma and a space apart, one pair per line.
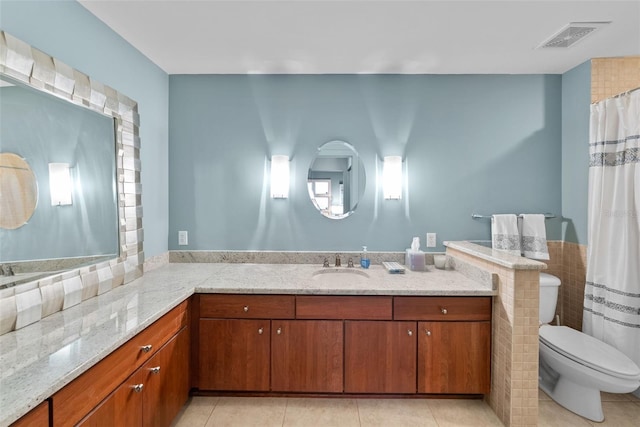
279, 177
60, 184
392, 178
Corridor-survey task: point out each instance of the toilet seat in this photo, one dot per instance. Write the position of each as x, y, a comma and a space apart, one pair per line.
589, 351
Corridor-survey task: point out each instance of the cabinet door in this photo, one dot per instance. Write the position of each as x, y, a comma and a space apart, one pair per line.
307, 355
166, 381
454, 357
123, 407
380, 357
37, 417
234, 354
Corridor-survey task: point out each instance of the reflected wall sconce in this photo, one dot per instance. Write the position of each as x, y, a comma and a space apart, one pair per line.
392, 177
60, 184
279, 177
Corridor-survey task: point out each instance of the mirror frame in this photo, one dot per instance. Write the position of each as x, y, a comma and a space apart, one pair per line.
40, 71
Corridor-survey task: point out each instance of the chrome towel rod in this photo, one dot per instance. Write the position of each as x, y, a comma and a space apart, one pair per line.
478, 216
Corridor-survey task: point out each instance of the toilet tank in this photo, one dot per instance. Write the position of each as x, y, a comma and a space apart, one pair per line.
549, 286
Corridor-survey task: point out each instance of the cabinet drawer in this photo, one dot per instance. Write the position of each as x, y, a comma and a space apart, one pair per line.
79, 397
247, 306
344, 307
442, 308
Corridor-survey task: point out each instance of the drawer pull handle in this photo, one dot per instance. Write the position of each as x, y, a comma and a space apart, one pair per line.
427, 332
409, 332
279, 331
155, 370
246, 308
146, 348
444, 311
138, 388
260, 331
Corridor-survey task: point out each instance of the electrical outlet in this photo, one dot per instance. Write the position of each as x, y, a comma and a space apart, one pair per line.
431, 240
183, 238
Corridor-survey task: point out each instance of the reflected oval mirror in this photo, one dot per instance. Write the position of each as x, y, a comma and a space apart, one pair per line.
336, 179
18, 191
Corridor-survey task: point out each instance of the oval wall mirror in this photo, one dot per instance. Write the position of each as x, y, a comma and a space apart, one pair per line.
18, 191
336, 179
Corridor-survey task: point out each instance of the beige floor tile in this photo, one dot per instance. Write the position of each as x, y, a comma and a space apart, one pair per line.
615, 397
319, 412
395, 412
196, 412
550, 414
620, 414
542, 395
248, 412
455, 412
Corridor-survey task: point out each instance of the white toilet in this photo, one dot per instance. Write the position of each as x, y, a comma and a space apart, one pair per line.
575, 367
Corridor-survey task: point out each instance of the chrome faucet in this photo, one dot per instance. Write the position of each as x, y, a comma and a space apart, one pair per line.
350, 262
338, 262
326, 262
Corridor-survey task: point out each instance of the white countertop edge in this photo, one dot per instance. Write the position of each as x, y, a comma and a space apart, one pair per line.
496, 256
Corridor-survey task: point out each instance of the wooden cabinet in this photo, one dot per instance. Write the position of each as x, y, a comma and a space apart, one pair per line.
37, 417
166, 381
123, 407
106, 388
234, 348
234, 354
350, 344
454, 357
454, 345
306, 356
152, 395
380, 357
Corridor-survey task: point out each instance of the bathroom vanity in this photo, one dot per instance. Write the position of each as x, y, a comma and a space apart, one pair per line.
343, 344
248, 328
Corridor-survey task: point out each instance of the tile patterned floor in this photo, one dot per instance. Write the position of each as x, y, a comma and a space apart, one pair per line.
620, 411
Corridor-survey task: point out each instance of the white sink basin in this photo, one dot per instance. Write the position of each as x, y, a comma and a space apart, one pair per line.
338, 276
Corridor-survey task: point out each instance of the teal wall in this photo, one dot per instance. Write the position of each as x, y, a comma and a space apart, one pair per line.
471, 143
66, 30
576, 98
481, 143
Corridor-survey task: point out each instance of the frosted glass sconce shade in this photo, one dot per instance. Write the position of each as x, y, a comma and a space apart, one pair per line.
60, 184
392, 177
279, 177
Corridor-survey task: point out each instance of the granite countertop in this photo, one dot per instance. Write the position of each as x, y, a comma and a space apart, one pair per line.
496, 256
40, 359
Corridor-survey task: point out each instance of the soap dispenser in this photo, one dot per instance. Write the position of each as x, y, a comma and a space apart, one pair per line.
364, 258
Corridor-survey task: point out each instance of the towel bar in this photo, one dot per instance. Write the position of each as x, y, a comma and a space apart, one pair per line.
478, 216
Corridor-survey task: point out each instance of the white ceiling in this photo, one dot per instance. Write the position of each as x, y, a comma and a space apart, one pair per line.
361, 36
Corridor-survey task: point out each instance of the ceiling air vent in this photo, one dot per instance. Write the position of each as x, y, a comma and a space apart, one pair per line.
571, 34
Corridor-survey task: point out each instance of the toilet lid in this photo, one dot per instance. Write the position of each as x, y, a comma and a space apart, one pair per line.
589, 351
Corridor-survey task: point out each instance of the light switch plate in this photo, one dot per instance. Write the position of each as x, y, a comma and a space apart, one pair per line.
431, 240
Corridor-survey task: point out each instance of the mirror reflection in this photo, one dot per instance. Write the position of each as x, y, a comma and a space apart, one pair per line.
336, 179
51, 224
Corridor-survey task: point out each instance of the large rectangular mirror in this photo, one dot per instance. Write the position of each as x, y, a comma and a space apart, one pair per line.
40, 232
58, 122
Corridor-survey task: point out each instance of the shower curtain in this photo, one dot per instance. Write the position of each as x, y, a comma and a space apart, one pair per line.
612, 292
